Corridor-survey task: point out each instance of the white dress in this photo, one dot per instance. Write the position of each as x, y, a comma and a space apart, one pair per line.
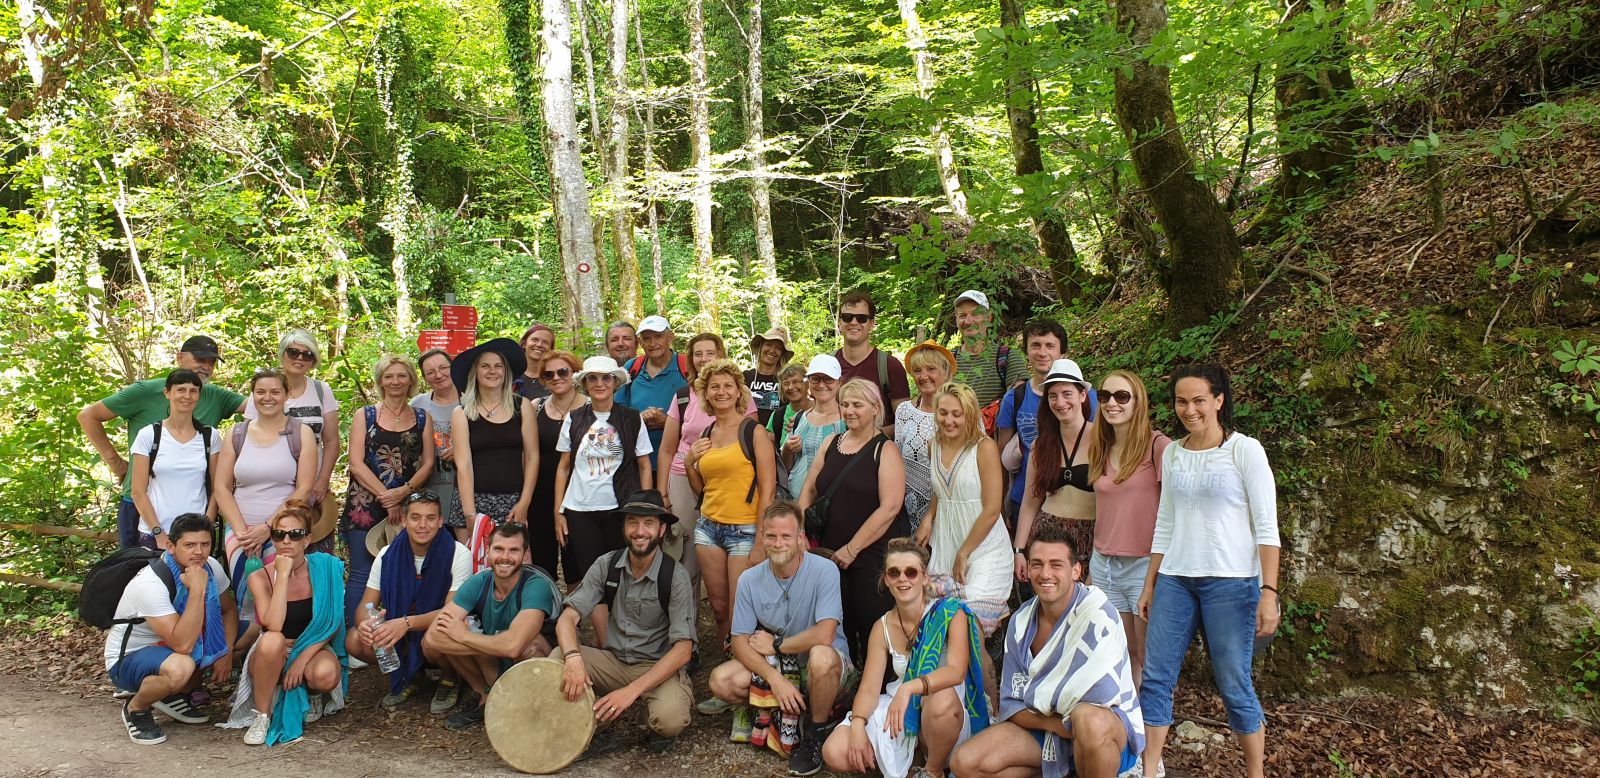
895, 755
989, 569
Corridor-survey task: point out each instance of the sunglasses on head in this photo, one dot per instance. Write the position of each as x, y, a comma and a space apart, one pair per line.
855, 318
560, 372
422, 496
299, 354
909, 573
1122, 396
290, 534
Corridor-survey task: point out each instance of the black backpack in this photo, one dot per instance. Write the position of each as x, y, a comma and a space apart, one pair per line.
614, 579
549, 627
747, 445
103, 587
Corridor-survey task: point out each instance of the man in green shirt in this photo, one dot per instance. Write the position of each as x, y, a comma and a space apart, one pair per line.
982, 363
142, 404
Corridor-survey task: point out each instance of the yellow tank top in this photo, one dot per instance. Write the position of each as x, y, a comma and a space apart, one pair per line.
727, 475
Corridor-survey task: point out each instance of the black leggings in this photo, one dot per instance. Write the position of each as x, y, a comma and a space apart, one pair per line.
590, 535
865, 600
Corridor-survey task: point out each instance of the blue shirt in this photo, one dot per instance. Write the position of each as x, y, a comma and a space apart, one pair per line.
644, 391
1027, 426
790, 607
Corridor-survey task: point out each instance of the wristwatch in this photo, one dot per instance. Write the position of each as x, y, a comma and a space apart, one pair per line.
1020, 550
777, 645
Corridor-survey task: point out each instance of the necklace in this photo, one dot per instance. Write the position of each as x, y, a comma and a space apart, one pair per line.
572, 399
489, 413
394, 415
911, 642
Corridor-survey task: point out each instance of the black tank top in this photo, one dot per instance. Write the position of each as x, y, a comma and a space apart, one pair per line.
497, 453
296, 615
856, 499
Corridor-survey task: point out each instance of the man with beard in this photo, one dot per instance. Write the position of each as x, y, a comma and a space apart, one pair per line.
787, 611
649, 635
496, 620
1067, 700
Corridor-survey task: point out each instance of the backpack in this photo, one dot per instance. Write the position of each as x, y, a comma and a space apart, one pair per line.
636, 366
103, 587
991, 412
680, 402
549, 626
747, 445
236, 437
614, 579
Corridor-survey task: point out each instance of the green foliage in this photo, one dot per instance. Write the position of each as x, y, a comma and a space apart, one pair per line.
1582, 680
1579, 358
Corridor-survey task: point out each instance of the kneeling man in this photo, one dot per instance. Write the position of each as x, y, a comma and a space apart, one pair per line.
649, 629
1067, 700
511, 604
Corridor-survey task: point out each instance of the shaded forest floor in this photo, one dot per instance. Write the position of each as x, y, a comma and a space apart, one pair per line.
64, 723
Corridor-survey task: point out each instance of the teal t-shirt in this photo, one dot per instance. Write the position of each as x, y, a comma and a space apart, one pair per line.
498, 614
144, 403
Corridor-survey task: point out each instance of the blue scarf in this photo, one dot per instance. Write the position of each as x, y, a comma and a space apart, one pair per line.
928, 655
408, 593
213, 643
327, 624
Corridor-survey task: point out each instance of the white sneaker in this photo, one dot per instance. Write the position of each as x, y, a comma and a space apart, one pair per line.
1138, 769
257, 733
313, 708
357, 664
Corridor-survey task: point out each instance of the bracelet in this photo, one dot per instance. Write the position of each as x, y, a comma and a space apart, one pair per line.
1270, 588
570, 652
926, 687
408, 623
1022, 551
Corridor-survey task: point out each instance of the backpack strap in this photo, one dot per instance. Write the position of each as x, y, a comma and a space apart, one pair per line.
1017, 397
322, 393
205, 440
883, 378
155, 446
683, 366
635, 366
236, 435
1002, 358
680, 402
747, 444
614, 579
165, 574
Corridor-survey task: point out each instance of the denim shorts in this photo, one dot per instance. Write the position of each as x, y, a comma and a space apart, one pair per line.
135, 666
1121, 578
736, 539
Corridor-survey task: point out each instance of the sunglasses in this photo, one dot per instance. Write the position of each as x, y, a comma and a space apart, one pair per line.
1122, 396
909, 573
290, 534
560, 372
422, 496
855, 318
299, 354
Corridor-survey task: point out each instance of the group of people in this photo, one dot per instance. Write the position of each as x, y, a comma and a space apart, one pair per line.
863, 530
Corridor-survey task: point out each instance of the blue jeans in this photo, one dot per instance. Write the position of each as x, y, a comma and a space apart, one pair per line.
128, 524
355, 586
1226, 609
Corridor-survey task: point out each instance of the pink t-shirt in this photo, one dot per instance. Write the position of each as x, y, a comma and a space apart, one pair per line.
1125, 513
690, 428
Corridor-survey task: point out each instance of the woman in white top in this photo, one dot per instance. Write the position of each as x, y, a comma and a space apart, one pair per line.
313, 403
930, 366
1213, 563
177, 481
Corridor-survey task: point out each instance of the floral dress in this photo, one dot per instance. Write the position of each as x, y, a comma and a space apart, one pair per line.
394, 457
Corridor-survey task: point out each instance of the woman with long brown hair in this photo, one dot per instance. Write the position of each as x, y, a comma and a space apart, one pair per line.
1059, 488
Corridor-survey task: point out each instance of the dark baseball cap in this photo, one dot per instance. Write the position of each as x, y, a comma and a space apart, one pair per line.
202, 346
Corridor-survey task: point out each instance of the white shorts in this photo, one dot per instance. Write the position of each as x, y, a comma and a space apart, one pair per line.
1121, 578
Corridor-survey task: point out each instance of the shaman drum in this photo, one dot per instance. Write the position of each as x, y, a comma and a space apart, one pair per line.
529, 721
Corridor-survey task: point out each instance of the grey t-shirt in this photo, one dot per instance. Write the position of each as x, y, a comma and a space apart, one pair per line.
789, 607
638, 629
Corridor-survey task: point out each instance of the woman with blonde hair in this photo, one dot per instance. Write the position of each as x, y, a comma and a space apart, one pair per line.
971, 558
496, 439
1125, 466
931, 366
731, 466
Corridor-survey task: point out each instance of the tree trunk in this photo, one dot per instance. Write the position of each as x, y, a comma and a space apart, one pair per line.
1204, 250
630, 300
399, 203
597, 144
569, 189
649, 170
700, 160
1049, 225
943, 156
760, 185
1312, 79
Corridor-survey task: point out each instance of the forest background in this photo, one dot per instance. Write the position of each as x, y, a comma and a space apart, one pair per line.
1382, 215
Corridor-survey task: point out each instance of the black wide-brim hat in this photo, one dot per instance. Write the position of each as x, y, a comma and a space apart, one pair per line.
508, 349
648, 502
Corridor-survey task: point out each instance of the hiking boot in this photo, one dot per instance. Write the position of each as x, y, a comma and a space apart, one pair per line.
470, 717
394, 700
659, 744
142, 727
807, 756
445, 696
259, 724
713, 706
178, 708
314, 703
742, 725
603, 742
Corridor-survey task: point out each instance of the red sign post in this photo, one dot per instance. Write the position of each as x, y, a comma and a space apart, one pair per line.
459, 334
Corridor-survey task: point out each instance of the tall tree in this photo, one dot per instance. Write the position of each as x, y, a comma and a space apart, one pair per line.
569, 188
649, 165
399, 211
597, 144
1022, 94
943, 155
700, 162
1320, 114
760, 184
630, 298
1205, 251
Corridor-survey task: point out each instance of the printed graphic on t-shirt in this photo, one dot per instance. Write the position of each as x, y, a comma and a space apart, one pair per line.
600, 451
311, 416
766, 394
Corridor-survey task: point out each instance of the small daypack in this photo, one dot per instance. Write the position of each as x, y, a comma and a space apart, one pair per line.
549, 627
614, 579
103, 587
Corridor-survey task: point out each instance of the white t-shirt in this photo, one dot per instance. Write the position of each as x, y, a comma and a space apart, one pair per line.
460, 568
146, 596
1216, 506
178, 476
598, 456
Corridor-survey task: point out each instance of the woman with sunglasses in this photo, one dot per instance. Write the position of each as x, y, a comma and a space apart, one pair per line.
1059, 488
439, 403
314, 404
815, 424
391, 456
537, 341
935, 700
1125, 467
559, 376
300, 651
1213, 563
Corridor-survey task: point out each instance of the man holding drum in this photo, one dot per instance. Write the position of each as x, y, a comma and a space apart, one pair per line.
650, 629
494, 621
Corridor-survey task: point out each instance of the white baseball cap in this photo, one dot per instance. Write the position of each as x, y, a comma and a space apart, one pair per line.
655, 324
824, 364
974, 295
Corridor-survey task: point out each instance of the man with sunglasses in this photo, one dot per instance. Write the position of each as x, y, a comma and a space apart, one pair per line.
858, 358
787, 613
144, 403
495, 620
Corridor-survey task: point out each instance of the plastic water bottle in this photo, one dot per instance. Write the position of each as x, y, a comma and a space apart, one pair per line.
388, 660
